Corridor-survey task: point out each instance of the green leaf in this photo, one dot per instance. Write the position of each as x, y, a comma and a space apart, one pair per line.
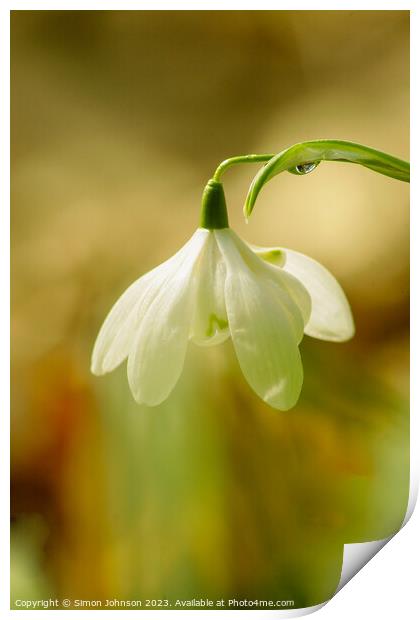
299, 157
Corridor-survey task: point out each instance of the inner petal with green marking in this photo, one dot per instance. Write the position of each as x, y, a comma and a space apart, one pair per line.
274, 255
210, 324
215, 324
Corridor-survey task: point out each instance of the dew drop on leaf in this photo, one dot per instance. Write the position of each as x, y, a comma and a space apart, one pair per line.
306, 168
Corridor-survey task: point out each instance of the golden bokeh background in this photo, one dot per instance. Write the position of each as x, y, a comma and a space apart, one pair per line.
118, 120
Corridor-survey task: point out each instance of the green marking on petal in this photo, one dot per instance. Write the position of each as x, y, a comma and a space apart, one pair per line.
272, 256
276, 256
215, 323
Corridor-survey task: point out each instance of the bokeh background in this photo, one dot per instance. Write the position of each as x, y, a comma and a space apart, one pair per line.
118, 120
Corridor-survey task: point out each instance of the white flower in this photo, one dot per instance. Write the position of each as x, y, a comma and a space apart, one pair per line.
217, 286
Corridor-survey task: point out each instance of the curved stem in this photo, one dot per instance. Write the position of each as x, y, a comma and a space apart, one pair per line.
295, 158
240, 159
298, 159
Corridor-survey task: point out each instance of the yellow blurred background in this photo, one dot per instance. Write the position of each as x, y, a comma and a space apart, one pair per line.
118, 120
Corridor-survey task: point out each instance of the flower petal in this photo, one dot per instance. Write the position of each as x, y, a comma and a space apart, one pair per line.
292, 294
210, 324
262, 329
331, 317
274, 255
118, 331
157, 356
294, 288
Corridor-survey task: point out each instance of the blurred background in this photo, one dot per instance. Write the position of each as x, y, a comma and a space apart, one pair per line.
118, 120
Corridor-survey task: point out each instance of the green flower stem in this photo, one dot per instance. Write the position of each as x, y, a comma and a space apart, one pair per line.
241, 159
299, 159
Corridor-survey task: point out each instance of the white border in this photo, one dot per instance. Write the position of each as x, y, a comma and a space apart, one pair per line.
388, 584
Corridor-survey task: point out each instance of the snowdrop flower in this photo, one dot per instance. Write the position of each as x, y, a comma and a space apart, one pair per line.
215, 287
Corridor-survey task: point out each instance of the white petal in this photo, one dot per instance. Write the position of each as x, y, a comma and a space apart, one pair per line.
118, 331
210, 325
294, 288
331, 317
291, 293
156, 359
274, 255
262, 329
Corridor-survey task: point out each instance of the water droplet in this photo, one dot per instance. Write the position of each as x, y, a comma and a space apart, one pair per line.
306, 168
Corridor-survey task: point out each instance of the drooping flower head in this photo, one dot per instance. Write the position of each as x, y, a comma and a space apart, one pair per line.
215, 287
